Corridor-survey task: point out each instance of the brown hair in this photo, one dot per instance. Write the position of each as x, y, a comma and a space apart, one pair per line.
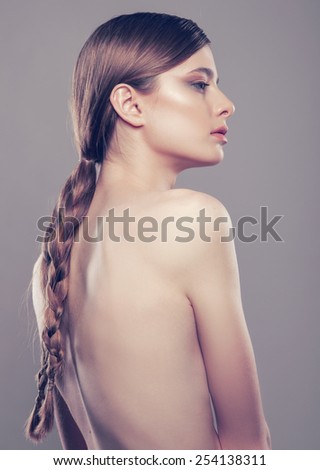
130, 49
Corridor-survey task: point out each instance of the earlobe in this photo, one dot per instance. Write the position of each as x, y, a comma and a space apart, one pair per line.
125, 102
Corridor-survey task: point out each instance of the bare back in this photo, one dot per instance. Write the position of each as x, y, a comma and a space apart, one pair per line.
134, 376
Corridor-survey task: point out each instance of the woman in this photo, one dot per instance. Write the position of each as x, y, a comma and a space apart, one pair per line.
142, 333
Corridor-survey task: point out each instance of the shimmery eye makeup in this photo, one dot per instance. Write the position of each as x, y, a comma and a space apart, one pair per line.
208, 72
200, 85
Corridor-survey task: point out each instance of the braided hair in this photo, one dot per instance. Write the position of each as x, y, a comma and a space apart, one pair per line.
75, 199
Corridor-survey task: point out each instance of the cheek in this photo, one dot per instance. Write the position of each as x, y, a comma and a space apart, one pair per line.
179, 116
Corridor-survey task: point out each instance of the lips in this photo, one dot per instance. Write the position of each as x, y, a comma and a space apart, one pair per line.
220, 134
220, 130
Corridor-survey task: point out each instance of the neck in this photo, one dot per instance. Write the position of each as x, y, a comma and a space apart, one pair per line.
124, 176
136, 173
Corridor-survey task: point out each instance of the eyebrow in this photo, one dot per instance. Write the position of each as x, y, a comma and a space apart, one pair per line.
208, 72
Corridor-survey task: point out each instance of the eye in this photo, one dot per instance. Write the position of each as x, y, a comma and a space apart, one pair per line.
200, 85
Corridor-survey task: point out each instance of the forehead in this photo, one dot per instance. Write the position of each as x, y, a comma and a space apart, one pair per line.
203, 58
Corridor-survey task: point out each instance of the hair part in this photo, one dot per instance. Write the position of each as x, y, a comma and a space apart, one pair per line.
132, 49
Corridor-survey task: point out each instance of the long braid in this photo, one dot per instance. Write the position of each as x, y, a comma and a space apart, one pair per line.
75, 199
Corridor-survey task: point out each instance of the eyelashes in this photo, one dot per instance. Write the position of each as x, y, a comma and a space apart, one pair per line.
200, 85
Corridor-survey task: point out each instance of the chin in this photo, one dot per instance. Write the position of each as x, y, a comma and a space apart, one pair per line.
194, 161
212, 159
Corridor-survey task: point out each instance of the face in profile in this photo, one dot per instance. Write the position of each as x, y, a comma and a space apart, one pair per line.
184, 111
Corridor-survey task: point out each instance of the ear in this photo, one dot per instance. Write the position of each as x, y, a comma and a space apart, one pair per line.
127, 104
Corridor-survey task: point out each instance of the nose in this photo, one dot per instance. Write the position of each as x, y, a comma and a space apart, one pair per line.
222, 105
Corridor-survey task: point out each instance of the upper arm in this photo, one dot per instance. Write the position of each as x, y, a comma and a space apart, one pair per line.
70, 435
213, 288
37, 295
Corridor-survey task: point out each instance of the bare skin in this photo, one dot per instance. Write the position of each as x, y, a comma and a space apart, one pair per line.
152, 330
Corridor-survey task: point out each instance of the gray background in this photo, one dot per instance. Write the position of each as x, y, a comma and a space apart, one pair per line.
267, 55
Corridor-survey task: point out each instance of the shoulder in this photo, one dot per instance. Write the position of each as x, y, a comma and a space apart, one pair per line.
202, 212
191, 201
191, 225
